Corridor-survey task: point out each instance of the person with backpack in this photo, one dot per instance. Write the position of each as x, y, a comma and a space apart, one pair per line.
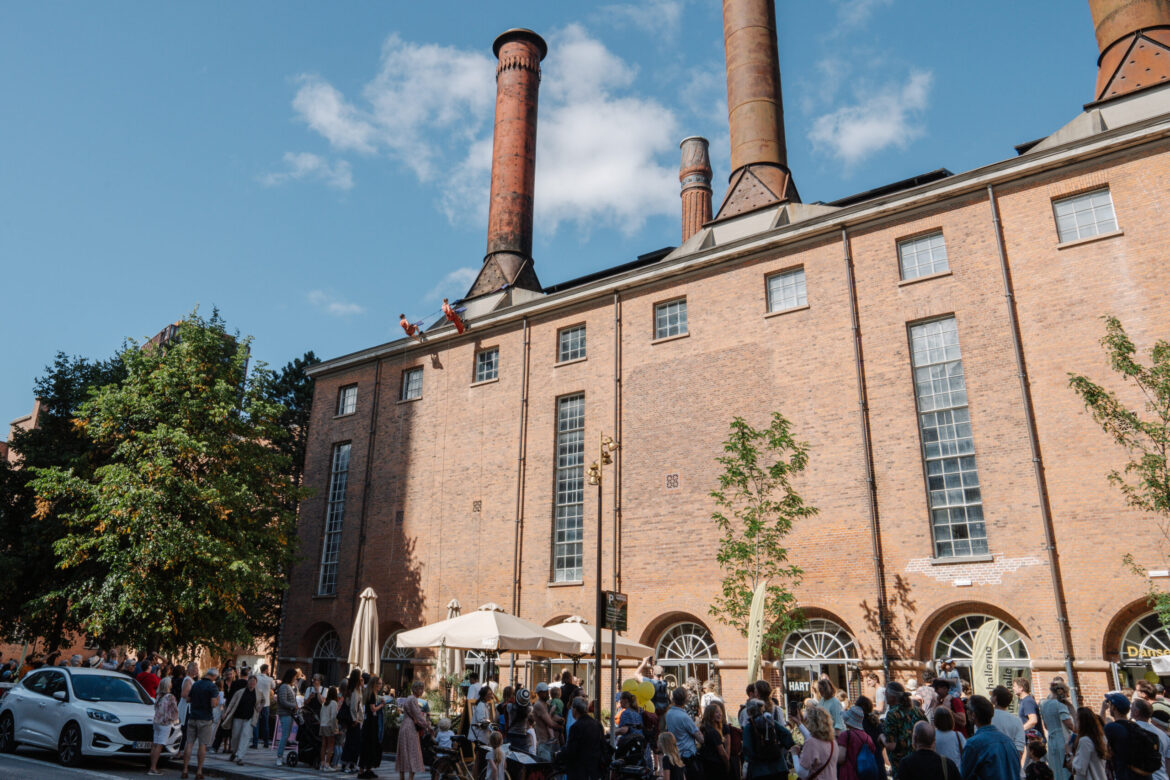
988, 754
1140, 712
857, 757
766, 741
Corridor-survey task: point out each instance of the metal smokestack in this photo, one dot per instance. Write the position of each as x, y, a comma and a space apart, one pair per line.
509, 245
1133, 37
694, 173
755, 110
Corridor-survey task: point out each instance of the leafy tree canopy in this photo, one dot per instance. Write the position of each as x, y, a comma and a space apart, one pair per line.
756, 506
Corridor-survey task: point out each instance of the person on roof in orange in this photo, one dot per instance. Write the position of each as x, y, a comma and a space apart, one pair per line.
410, 328
454, 317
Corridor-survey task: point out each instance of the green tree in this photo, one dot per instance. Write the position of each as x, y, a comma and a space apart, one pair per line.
756, 506
292, 388
1144, 433
32, 602
176, 536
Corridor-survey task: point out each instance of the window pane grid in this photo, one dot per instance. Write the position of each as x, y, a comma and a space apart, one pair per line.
923, 256
487, 365
670, 319
347, 400
569, 490
334, 515
412, 384
571, 344
1085, 215
786, 290
948, 449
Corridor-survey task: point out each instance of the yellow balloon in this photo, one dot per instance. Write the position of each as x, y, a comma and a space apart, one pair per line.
646, 690
631, 686
1152, 676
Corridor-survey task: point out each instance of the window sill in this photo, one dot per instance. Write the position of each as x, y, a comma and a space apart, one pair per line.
409, 400
569, 584
926, 278
786, 311
665, 339
325, 596
560, 363
1090, 239
340, 416
964, 559
485, 382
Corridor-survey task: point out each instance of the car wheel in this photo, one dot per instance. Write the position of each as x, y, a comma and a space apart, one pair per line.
7, 733
69, 745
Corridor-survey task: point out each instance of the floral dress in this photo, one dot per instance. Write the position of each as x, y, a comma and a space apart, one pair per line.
166, 711
410, 758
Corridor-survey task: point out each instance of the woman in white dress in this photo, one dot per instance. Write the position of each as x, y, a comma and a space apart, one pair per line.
1092, 752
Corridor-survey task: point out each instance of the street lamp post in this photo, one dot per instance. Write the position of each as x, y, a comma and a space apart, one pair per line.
605, 449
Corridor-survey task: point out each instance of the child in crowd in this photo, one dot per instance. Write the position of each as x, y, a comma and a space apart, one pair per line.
1037, 752
497, 768
444, 734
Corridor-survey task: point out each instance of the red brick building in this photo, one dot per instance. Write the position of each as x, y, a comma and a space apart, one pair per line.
918, 336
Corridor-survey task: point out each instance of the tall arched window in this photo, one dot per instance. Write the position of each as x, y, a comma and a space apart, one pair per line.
687, 650
327, 658
957, 640
1145, 640
820, 640
819, 647
397, 667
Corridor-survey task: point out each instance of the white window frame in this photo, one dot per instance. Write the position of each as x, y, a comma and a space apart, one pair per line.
928, 253
411, 392
334, 519
1099, 214
780, 284
347, 400
664, 328
568, 532
482, 365
569, 351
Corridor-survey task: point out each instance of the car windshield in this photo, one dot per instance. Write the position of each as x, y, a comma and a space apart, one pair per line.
101, 688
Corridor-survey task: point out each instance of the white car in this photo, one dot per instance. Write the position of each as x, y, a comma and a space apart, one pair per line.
80, 712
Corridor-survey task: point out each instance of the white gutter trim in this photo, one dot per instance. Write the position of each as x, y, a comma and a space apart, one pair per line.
953, 186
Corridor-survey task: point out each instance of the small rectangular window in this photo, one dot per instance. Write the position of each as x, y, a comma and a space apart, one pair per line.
923, 256
347, 400
571, 344
1084, 215
487, 364
786, 290
670, 319
334, 516
412, 384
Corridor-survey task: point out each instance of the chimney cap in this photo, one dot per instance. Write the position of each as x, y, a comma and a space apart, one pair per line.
519, 34
683, 142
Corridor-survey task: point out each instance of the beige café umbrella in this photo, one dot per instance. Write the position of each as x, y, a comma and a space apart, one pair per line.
363, 643
490, 629
585, 635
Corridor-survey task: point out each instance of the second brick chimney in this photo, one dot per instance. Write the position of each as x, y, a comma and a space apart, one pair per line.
1133, 37
694, 173
509, 245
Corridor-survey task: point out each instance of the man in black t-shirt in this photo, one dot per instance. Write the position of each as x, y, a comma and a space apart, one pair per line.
924, 763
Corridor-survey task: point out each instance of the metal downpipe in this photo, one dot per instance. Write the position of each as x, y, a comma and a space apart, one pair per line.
521, 457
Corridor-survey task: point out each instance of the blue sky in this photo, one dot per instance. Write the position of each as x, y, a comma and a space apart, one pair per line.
313, 169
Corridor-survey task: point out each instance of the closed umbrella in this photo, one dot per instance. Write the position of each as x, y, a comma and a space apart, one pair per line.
363, 642
454, 659
585, 635
489, 628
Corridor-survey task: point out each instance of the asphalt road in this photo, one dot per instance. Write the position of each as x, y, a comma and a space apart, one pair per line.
30, 764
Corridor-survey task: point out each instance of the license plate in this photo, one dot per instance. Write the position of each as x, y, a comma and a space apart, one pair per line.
143, 745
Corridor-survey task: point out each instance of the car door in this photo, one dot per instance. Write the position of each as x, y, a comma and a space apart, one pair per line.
53, 712
24, 702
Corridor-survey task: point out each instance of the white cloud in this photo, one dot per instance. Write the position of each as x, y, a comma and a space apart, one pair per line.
331, 304
604, 154
888, 117
854, 13
453, 285
304, 165
660, 17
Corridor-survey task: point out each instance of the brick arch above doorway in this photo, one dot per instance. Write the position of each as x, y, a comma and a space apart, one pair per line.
942, 617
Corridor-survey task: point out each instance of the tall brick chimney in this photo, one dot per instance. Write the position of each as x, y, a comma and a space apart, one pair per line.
755, 110
1133, 37
509, 245
694, 173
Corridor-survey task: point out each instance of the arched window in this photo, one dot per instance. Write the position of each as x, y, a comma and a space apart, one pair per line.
327, 657
1145, 640
957, 639
820, 640
397, 667
687, 650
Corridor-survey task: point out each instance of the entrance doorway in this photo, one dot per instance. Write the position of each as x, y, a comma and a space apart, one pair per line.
800, 680
818, 648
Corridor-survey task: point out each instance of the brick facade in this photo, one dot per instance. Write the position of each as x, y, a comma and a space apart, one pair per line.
448, 462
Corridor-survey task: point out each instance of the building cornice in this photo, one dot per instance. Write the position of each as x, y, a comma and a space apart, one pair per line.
858, 215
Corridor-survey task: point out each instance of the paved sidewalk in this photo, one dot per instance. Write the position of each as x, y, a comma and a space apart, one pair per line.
261, 764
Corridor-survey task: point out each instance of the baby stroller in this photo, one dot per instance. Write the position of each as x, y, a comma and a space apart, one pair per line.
631, 759
308, 741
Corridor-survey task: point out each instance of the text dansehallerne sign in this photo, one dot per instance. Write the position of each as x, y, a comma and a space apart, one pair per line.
1135, 651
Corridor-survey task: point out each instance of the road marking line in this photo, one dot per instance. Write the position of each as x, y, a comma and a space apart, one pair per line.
38, 762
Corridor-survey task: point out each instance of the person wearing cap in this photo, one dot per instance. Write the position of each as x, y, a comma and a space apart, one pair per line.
898, 725
201, 701
948, 672
1140, 712
516, 719
851, 741
988, 755
548, 726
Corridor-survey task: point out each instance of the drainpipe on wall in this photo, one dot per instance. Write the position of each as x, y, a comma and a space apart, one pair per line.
521, 457
879, 568
617, 435
1034, 442
373, 433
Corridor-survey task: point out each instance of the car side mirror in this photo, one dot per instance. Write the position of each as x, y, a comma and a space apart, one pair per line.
60, 696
